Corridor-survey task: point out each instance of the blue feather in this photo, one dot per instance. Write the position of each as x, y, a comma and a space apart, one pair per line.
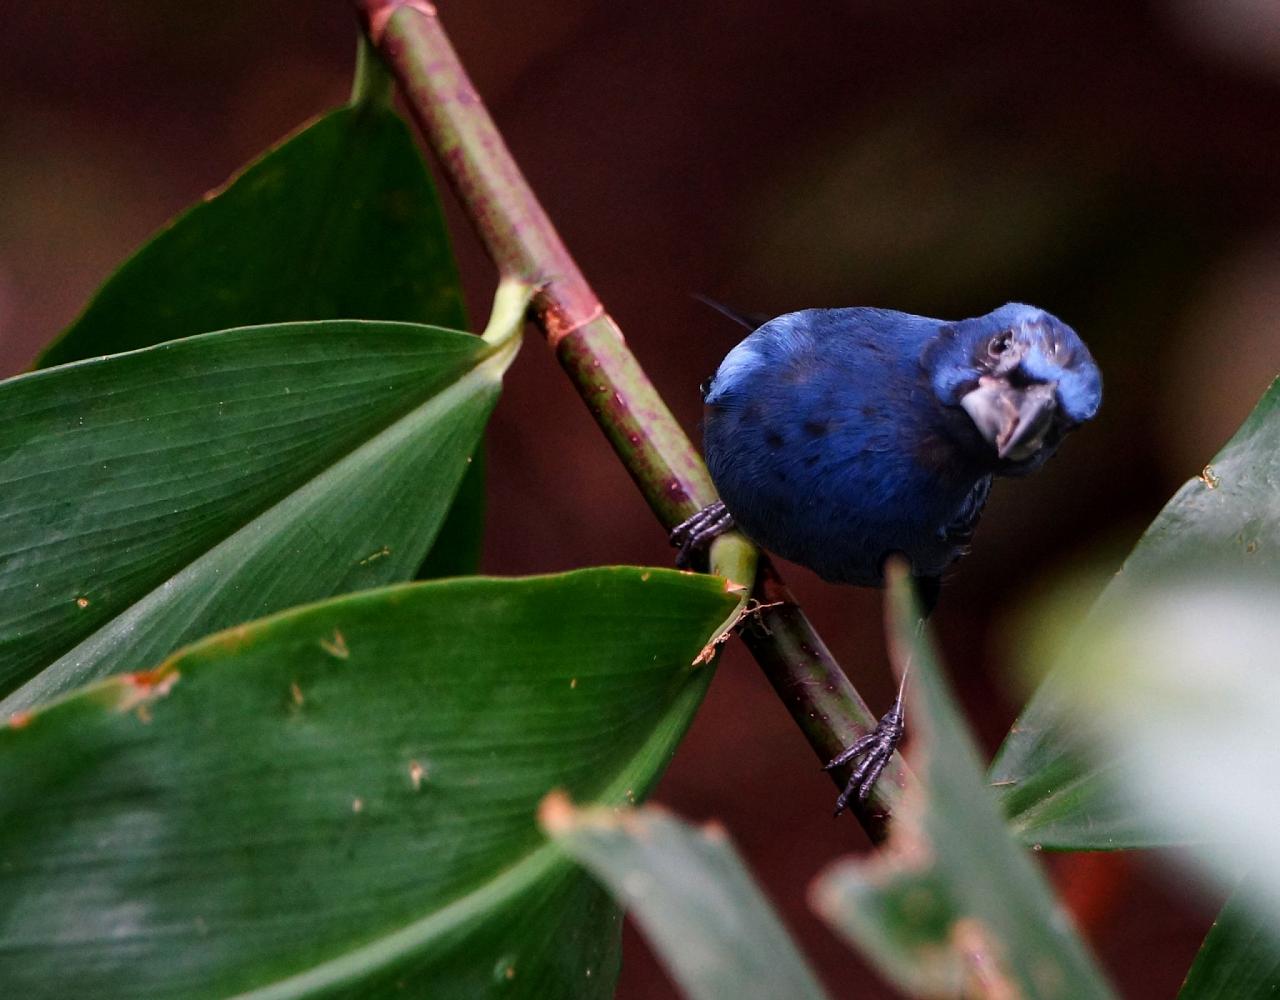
839, 436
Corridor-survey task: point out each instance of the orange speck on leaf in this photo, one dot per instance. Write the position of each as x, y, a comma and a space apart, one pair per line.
337, 646
145, 686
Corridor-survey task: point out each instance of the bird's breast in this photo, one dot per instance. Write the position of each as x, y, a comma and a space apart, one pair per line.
836, 481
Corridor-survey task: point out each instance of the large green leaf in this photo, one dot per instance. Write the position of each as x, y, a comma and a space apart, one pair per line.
1240, 958
693, 897
341, 800
1227, 519
340, 221
952, 906
154, 496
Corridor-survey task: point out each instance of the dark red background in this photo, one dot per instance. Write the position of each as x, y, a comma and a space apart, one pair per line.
1113, 162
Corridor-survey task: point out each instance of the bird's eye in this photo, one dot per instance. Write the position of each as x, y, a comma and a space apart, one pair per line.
998, 346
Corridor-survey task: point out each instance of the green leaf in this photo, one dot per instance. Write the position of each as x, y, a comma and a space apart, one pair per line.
1226, 519
952, 906
458, 547
1176, 686
340, 221
340, 800
692, 896
155, 496
1239, 960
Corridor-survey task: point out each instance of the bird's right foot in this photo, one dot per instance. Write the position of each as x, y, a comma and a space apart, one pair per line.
874, 749
693, 536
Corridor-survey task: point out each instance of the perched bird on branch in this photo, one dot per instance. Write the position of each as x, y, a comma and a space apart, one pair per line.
840, 437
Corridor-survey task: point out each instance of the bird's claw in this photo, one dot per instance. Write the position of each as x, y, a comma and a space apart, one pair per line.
874, 749
693, 536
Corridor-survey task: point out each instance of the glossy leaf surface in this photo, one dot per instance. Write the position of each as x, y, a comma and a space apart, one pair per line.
340, 800
952, 905
155, 496
340, 221
694, 899
1226, 520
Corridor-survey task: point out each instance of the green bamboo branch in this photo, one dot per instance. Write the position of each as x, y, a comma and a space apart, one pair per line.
525, 246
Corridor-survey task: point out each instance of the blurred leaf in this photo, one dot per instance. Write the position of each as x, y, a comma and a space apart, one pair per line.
952, 906
155, 496
340, 800
339, 221
1176, 686
1226, 519
691, 894
1239, 960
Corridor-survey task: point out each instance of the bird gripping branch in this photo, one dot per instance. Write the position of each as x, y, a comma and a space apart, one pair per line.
838, 438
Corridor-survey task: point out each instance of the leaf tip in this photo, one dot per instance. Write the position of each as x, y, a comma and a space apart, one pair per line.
713, 831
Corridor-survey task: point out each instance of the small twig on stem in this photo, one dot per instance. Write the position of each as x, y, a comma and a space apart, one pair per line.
523, 243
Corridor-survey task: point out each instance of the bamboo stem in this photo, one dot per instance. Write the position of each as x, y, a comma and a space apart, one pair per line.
524, 245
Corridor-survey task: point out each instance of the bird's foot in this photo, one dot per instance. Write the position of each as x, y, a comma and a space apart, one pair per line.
875, 749
693, 537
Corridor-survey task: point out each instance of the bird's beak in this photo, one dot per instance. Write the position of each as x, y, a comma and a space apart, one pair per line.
1013, 419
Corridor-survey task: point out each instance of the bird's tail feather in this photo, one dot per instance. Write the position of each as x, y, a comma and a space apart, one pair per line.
752, 321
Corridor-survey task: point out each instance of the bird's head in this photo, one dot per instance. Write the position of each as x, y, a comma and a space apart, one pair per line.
1022, 380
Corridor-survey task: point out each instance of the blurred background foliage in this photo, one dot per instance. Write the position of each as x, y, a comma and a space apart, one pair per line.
1113, 162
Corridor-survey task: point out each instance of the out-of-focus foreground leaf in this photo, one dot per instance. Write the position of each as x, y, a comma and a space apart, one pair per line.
952, 905
340, 800
698, 905
1239, 960
1176, 685
1226, 519
339, 221
154, 496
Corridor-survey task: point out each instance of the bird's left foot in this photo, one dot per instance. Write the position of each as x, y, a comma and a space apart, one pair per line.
693, 536
875, 749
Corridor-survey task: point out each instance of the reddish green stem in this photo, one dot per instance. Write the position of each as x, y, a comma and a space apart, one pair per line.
655, 450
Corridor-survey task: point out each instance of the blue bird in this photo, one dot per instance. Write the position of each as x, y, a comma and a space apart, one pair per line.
839, 437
